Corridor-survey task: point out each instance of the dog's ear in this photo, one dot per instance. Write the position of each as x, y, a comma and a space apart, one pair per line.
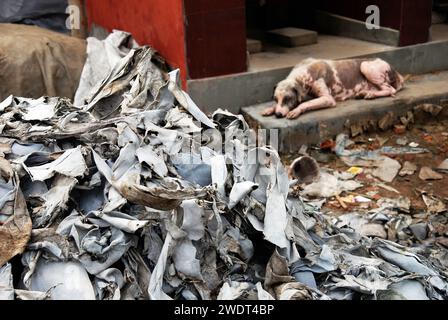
273, 92
297, 95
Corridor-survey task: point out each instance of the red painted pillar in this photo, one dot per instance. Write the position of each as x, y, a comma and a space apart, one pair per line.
203, 38
158, 23
215, 37
415, 21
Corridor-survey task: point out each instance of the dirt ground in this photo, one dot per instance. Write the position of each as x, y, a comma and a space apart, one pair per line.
432, 136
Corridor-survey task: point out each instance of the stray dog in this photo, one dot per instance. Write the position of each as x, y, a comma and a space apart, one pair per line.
328, 81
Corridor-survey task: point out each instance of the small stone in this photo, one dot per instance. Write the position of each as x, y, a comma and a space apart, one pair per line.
413, 145
426, 173
408, 169
419, 230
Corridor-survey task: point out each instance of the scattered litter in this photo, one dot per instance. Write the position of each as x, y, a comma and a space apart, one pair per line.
403, 150
381, 140
388, 188
413, 145
356, 130
432, 109
426, 173
402, 141
329, 185
434, 204
118, 199
341, 201
378, 165
443, 166
407, 119
361, 199
399, 129
408, 169
355, 170
402, 204
387, 121
327, 145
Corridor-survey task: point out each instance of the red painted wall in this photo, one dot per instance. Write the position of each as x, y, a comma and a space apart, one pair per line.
215, 37
140, 18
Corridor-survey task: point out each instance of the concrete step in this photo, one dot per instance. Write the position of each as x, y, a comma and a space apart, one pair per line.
254, 46
292, 37
249, 88
329, 23
316, 126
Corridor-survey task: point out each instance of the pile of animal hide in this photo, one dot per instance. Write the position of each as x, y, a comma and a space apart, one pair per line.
137, 194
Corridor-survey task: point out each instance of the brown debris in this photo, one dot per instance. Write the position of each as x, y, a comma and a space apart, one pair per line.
387, 121
432, 109
408, 119
356, 130
277, 273
6, 171
399, 129
341, 202
16, 231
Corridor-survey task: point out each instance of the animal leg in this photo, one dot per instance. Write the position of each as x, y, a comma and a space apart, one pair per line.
315, 104
376, 73
268, 111
384, 92
324, 100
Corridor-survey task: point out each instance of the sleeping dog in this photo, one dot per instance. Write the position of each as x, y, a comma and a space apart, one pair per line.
328, 81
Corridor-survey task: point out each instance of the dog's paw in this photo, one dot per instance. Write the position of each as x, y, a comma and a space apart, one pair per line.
370, 96
268, 112
294, 114
361, 95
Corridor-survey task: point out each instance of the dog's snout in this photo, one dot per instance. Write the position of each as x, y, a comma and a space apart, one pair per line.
279, 115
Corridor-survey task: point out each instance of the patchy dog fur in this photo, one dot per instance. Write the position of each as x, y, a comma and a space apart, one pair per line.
329, 81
